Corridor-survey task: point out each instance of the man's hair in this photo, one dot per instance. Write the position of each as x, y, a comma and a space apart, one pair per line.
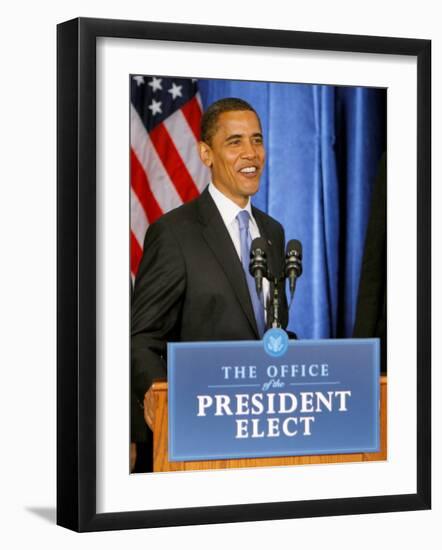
211, 115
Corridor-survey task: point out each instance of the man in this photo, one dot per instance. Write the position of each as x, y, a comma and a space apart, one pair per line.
192, 284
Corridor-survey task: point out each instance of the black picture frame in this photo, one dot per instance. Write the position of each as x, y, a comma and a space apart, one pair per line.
76, 273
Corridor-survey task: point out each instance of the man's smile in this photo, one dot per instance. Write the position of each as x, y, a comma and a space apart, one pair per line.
249, 171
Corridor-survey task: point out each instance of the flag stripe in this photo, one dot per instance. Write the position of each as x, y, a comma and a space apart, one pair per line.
139, 221
180, 133
135, 254
161, 185
173, 163
141, 187
192, 113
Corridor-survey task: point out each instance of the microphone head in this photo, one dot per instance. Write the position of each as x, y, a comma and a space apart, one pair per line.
258, 261
293, 260
258, 244
294, 247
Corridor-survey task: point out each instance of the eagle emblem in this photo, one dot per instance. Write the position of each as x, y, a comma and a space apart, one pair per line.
275, 344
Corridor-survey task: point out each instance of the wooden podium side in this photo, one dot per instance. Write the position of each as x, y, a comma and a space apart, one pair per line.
159, 424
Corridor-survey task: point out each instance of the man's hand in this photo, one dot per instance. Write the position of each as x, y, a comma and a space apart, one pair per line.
149, 408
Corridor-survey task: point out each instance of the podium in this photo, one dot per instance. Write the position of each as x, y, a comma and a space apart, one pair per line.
158, 406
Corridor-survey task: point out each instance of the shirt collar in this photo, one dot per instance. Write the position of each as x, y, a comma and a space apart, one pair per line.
227, 208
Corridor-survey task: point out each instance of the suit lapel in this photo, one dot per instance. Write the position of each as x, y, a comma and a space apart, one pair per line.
219, 241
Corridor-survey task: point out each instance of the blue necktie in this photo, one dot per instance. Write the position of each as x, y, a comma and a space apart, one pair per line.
245, 243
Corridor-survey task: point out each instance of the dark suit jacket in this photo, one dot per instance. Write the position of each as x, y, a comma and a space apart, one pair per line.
191, 286
371, 311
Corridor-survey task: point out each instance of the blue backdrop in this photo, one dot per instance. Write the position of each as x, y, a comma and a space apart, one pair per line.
323, 147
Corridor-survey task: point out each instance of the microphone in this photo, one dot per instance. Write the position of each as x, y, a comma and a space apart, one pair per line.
293, 263
258, 262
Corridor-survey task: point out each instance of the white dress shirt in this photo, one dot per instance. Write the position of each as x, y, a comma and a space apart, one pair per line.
229, 210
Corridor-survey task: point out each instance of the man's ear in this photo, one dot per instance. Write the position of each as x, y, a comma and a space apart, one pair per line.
205, 153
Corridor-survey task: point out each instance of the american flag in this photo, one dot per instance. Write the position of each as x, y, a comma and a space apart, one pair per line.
166, 171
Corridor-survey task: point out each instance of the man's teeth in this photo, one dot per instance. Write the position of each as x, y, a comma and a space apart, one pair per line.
249, 169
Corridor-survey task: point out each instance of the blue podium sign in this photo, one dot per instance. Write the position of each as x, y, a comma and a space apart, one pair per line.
273, 398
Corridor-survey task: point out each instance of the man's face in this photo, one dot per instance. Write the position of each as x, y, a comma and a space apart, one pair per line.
236, 155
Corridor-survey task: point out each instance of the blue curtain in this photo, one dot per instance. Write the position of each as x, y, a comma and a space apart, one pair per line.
323, 147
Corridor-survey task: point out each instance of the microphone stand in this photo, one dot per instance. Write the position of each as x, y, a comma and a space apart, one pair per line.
275, 300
